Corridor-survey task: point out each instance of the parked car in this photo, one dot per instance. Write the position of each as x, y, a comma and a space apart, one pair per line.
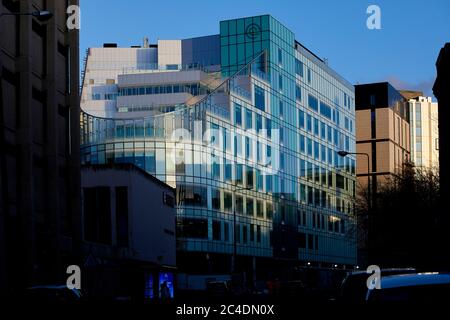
417, 287
52, 294
354, 285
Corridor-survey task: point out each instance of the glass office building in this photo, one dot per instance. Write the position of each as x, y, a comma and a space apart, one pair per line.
246, 125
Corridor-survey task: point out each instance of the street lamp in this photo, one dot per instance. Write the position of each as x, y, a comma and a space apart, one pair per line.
369, 196
233, 260
39, 15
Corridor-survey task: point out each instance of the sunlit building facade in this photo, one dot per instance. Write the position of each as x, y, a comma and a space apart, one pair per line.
424, 127
246, 126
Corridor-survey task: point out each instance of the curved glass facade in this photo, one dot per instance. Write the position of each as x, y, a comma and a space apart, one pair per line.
253, 145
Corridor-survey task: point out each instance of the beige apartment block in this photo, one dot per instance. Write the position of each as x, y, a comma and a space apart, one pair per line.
424, 121
382, 132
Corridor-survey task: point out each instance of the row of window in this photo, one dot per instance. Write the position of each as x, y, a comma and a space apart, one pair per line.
192, 88
197, 228
324, 131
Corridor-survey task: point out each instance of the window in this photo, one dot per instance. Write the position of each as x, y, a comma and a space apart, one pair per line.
301, 119
269, 128
316, 150
325, 110
281, 108
298, 93
228, 170
309, 146
372, 100
309, 76
269, 210
238, 145
216, 229
259, 209
252, 233
248, 148
237, 114
260, 101
215, 170
249, 206
249, 177
280, 56
259, 180
258, 123
192, 228
215, 199
308, 123
313, 103
258, 234
239, 173
280, 82
239, 204
248, 119
323, 129
316, 127
299, 67
302, 143
323, 153
227, 201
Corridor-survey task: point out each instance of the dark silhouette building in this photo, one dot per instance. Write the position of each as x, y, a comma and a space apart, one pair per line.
441, 90
39, 144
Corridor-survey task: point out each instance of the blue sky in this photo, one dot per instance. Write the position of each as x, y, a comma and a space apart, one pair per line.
403, 52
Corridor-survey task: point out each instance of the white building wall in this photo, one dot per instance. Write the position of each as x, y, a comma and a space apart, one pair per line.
151, 223
424, 132
169, 52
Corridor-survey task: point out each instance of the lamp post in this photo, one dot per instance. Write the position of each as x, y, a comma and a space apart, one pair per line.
369, 196
233, 258
40, 15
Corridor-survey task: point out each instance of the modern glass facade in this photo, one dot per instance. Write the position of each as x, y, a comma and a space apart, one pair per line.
263, 144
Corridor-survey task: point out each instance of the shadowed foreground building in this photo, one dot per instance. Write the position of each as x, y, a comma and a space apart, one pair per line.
128, 232
39, 145
442, 93
278, 116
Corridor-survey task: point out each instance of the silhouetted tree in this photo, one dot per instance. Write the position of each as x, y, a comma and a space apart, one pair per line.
401, 227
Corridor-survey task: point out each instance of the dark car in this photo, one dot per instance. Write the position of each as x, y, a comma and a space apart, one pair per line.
427, 287
354, 285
